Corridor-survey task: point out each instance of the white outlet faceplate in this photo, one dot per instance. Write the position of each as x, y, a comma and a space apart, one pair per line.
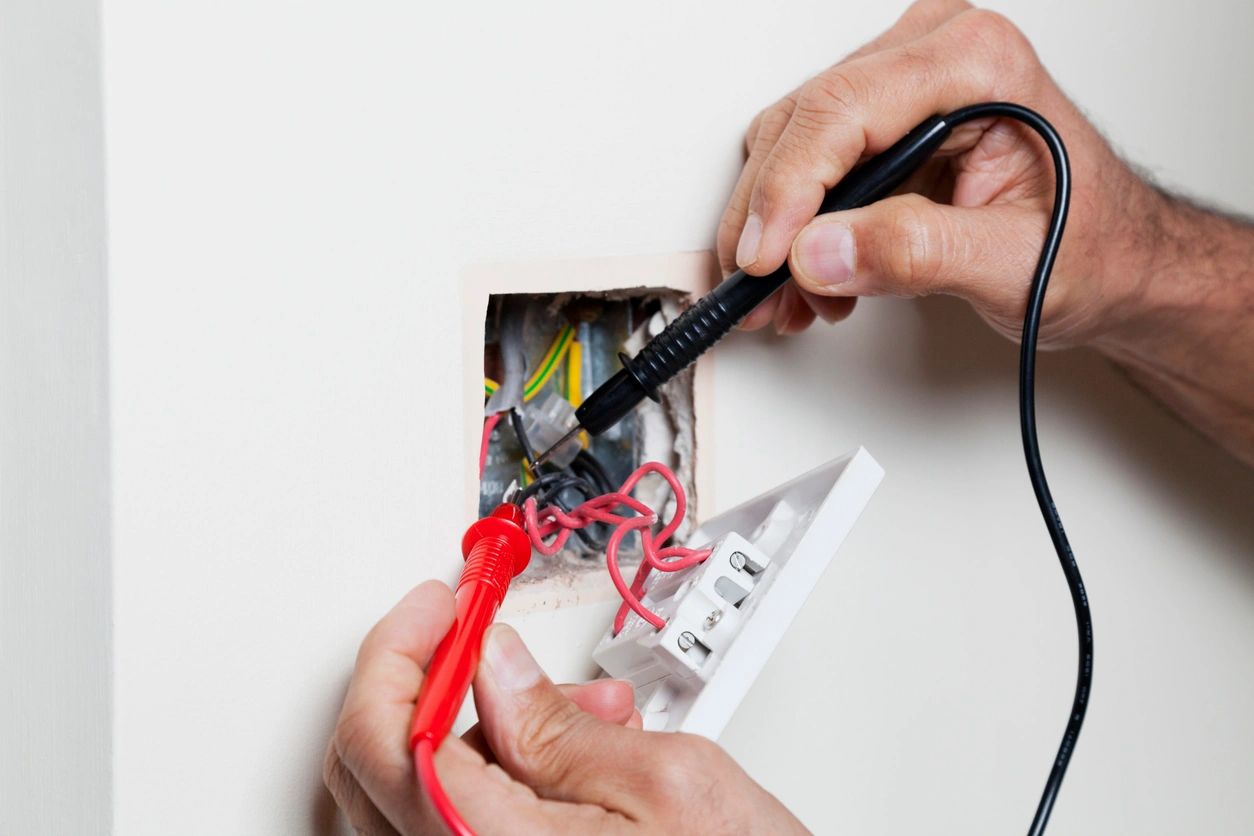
726, 615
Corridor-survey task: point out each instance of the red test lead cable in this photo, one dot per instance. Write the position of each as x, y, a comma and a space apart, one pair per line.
496, 549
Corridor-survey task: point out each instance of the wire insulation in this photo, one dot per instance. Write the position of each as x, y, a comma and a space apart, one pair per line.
424, 766
549, 363
489, 424
1027, 426
574, 374
553, 521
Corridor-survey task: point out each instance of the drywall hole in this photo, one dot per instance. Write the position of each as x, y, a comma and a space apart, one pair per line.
540, 355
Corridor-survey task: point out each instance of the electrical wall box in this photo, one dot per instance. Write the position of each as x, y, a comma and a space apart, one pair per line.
725, 616
612, 304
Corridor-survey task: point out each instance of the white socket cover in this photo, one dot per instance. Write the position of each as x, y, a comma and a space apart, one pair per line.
726, 615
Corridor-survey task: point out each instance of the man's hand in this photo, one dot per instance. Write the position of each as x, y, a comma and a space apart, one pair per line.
1165, 289
970, 223
544, 759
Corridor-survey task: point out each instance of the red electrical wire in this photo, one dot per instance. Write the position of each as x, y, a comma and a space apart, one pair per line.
552, 521
424, 765
489, 424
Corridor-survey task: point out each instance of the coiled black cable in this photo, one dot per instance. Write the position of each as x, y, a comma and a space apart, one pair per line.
1027, 426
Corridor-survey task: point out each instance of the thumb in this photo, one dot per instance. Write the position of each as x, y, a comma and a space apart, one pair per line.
908, 245
543, 739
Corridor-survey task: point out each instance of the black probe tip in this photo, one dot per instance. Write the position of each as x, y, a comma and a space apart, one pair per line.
535, 463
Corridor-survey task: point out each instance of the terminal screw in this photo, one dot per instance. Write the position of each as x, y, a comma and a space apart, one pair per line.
738, 560
686, 641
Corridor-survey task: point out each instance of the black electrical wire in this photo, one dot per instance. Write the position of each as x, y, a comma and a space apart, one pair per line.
555, 483
516, 421
551, 484
590, 467
1027, 426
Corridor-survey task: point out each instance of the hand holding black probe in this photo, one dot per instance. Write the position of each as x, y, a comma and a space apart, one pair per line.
715, 314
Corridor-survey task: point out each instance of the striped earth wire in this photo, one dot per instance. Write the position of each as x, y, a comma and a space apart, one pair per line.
552, 358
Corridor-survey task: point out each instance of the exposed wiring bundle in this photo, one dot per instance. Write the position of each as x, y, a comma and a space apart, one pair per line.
556, 523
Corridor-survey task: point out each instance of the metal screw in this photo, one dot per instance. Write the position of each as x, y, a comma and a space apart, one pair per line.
713, 618
686, 641
738, 560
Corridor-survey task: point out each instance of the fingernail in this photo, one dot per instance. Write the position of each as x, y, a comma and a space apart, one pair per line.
825, 253
750, 240
510, 663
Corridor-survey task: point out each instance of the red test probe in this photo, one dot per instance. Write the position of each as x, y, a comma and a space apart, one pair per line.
496, 549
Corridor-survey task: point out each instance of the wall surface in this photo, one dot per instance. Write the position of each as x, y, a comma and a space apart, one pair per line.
294, 188
55, 639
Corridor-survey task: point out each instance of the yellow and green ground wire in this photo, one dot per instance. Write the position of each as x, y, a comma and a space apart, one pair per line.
549, 364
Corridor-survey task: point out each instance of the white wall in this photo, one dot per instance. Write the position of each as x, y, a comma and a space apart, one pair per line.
293, 189
55, 690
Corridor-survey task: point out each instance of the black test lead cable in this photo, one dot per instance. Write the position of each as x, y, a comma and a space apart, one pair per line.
1027, 427
716, 313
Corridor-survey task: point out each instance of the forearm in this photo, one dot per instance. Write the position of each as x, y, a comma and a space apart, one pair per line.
1186, 329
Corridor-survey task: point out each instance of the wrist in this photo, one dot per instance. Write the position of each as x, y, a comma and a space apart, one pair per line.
1181, 272
1150, 275
1185, 335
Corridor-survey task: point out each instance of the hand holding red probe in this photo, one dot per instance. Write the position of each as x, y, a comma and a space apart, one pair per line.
497, 550
544, 759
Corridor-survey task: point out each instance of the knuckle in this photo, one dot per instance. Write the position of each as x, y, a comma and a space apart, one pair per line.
774, 180
990, 26
343, 787
728, 237
939, 6
772, 122
351, 738
332, 769
546, 738
688, 756
833, 96
673, 774
918, 65
1007, 51
914, 255
699, 753
691, 773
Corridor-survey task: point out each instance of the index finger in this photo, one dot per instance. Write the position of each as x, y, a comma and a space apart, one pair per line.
370, 735
767, 127
395, 652
857, 109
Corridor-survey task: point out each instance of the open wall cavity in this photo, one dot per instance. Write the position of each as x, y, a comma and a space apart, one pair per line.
541, 354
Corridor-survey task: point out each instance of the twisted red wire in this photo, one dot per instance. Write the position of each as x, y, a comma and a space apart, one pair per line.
552, 522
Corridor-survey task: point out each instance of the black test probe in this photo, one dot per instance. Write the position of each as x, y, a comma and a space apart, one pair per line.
715, 314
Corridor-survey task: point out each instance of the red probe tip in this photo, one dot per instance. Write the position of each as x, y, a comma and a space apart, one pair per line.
507, 521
